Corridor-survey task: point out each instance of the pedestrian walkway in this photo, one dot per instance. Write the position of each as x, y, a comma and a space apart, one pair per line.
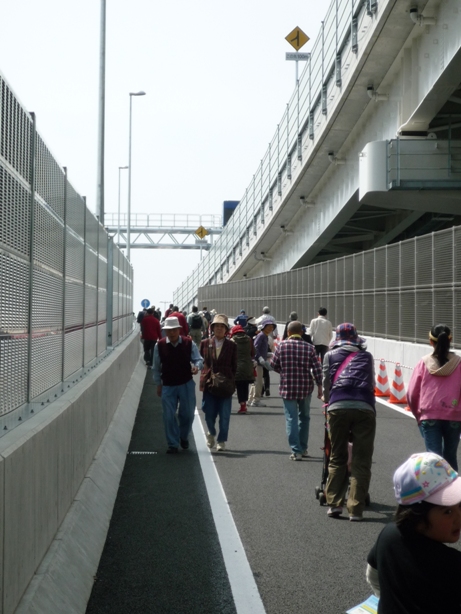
163, 553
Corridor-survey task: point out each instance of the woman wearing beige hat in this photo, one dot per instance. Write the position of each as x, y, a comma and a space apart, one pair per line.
219, 356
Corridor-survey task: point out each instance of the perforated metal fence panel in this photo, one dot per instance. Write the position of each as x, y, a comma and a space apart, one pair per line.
53, 268
397, 292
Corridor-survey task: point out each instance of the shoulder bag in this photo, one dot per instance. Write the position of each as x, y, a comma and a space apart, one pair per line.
343, 365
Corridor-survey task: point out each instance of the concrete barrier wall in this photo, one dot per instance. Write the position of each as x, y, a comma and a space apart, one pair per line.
44, 461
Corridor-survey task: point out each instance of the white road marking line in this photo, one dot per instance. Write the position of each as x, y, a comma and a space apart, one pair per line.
244, 589
395, 407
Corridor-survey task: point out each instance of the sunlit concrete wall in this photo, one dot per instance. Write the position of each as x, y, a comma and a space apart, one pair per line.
43, 463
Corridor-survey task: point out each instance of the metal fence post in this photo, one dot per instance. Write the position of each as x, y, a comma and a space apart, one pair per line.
261, 193
84, 280
354, 31
110, 291
338, 55
64, 277
311, 113
31, 252
324, 87
97, 292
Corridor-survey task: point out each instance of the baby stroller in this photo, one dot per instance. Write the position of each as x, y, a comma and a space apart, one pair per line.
320, 490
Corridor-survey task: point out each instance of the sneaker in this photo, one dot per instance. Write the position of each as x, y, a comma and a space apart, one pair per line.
257, 404
221, 446
172, 450
305, 454
334, 512
243, 408
209, 440
268, 393
355, 518
296, 457
184, 444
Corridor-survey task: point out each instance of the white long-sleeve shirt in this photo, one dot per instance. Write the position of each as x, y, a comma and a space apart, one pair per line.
321, 331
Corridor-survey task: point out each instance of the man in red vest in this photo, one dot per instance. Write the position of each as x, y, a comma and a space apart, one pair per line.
176, 360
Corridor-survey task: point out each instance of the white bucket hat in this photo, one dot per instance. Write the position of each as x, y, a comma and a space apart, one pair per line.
171, 323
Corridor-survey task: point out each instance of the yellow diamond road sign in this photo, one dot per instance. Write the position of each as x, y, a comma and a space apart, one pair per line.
201, 232
297, 38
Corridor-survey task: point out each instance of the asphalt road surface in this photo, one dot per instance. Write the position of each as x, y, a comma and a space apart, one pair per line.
163, 554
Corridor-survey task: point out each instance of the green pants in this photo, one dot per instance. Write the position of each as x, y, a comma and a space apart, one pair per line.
361, 424
196, 334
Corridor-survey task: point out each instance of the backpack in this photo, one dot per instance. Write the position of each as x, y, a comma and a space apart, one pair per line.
196, 321
251, 330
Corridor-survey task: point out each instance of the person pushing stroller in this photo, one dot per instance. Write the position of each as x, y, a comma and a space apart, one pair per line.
348, 388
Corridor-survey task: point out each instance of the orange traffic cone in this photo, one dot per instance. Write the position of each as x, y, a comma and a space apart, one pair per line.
382, 383
398, 387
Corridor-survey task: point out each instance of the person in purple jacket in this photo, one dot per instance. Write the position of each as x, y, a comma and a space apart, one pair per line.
348, 388
434, 396
261, 343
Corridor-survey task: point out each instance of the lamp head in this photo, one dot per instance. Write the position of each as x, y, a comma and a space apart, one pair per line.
137, 93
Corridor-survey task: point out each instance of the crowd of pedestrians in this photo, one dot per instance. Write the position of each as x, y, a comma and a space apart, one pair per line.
337, 363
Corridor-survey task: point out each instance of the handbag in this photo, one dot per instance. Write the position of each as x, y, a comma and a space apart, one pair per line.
218, 384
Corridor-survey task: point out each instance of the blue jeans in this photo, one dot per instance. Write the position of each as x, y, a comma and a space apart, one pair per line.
179, 426
442, 438
297, 415
214, 407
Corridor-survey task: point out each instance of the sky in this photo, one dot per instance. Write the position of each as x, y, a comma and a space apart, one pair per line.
216, 83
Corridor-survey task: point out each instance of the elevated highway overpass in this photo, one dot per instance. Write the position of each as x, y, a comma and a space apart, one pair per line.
367, 152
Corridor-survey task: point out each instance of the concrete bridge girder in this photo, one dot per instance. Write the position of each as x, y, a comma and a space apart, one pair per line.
376, 56
356, 121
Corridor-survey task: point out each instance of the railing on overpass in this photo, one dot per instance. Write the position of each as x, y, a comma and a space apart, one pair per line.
65, 289
339, 40
213, 223
397, 292
420, 163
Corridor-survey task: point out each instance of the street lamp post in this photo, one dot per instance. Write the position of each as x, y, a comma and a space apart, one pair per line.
128, 228
102, 107
120, 168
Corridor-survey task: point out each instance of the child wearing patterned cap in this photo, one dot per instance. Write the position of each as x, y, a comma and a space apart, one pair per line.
410, 568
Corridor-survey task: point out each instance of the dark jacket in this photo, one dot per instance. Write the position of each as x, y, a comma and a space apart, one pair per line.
241, 319
251, 330
245, 355
355, 383
225, 364
304, 336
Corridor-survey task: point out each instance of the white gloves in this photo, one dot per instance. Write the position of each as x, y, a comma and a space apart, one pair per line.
264, 363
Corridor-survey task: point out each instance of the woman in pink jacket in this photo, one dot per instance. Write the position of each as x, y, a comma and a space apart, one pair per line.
434, 396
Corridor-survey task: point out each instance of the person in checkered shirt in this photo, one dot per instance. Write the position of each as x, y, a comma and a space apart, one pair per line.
298, 365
